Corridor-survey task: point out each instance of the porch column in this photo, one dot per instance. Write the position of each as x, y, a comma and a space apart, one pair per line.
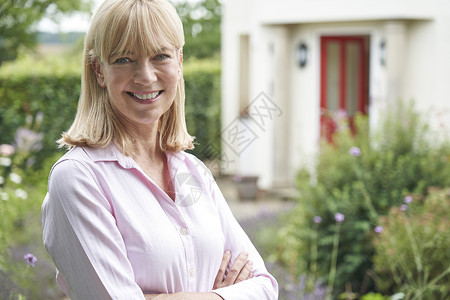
395, 33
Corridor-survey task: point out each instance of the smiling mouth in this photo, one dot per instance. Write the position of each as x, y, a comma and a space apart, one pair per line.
145, 96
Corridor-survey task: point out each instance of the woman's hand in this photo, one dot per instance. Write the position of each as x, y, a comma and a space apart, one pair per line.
184, 296
240, 270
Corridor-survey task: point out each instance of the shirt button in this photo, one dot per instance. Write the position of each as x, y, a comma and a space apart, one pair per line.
191, 272
183, 231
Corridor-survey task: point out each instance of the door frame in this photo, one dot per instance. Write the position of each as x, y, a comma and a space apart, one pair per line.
326, 124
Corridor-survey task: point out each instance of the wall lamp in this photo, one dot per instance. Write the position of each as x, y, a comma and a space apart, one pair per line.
383, 53
302, 54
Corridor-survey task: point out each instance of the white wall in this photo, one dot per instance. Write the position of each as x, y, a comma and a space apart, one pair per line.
427, 75
417, 36
314, 11
235, 22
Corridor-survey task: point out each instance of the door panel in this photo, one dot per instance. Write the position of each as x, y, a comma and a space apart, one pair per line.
332, 76
344, 80
352, 74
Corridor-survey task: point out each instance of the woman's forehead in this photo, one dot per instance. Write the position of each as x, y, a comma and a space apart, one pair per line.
145, 44
149, 51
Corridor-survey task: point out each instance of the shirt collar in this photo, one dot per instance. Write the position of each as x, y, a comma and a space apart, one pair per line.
113, 153
109, 153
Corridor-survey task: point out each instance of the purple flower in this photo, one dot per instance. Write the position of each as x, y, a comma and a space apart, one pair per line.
408, 199
6, 150
27, 140
339, 217
379, 229
30, 258
404, 207
355, 151
317, 219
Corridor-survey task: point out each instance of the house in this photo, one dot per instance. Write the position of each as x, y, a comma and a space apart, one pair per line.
288, 65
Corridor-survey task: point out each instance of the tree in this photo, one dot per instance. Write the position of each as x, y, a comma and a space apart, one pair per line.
201, 22
18, 17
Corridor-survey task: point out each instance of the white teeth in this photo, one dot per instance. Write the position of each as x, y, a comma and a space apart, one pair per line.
146, 96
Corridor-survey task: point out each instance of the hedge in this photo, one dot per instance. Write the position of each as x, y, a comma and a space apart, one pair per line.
53, 87
202, 80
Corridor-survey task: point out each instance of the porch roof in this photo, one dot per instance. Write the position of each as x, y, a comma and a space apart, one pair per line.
304, 11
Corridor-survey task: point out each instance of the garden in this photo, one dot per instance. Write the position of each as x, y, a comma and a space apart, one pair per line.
371, 222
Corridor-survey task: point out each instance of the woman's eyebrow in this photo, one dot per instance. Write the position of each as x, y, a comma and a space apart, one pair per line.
121, 53
162, 49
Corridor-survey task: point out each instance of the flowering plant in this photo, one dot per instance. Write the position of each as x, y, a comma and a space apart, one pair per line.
362, 175
18, 208
411, 252
16, 158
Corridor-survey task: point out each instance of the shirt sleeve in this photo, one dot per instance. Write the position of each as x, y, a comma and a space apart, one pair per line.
81, 236
263, 285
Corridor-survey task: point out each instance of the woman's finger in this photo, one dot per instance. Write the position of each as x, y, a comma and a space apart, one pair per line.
246, 272
223, 268
236, 269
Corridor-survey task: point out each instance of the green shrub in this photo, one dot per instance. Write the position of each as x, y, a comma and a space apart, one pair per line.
373, 296
393, 162
48, 86
202, 80
411, 253
52, 86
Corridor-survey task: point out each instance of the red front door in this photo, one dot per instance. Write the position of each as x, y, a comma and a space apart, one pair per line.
343, 81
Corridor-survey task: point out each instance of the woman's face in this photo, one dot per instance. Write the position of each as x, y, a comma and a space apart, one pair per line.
142, 88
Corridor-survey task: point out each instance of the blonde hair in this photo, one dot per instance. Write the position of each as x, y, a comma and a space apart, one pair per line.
149, 25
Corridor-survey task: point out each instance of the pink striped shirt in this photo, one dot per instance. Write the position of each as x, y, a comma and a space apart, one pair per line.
114, 234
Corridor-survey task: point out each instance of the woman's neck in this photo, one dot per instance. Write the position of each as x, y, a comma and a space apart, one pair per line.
146, 141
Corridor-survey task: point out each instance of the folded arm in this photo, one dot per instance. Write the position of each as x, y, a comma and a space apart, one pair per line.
240, 270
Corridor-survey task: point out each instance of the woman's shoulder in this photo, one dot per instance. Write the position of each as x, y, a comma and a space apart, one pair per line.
91, 155
74, 159
75, 154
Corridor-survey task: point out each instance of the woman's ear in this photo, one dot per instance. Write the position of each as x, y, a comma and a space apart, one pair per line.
98, 72
180, 62
180, 57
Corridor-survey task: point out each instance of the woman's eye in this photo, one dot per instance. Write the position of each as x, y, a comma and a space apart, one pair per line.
161, 57
122, 60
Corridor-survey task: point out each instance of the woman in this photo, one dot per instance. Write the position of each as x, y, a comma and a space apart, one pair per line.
129, 214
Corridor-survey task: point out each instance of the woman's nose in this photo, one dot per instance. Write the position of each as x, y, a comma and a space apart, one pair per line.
145, 73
